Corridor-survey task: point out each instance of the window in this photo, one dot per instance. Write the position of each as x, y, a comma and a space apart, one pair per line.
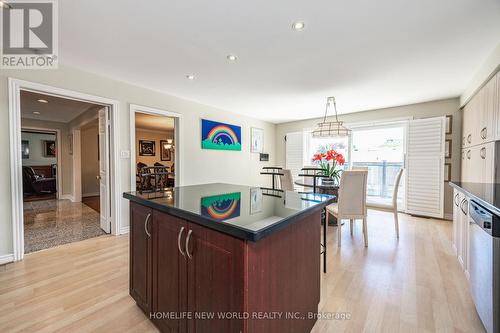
381, 149
321, 145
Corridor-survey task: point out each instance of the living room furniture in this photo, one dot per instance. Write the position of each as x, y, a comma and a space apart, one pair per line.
34, 183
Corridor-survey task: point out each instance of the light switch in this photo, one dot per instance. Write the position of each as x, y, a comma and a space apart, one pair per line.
125, 154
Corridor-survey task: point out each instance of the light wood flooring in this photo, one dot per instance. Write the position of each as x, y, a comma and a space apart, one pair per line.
411, 285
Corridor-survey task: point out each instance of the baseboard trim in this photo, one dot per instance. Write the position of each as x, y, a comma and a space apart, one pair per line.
124, 230
6, 258
94, 194
67, 197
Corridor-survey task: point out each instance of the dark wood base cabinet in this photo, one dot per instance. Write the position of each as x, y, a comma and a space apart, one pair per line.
189, 278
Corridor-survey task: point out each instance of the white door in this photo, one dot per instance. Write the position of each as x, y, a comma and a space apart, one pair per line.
425, 167
104, 170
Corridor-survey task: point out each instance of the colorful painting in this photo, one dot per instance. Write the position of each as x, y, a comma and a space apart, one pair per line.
215, 135
221, 207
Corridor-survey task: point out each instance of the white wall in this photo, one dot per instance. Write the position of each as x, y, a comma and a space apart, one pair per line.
89, 159
420, 110
36, 148
198, 166
157, 136
484, 72
66, 163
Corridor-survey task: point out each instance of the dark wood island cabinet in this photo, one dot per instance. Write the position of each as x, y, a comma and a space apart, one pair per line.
193, 272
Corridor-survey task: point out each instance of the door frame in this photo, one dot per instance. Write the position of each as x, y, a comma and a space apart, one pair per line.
135, 108
15, 87
58, 152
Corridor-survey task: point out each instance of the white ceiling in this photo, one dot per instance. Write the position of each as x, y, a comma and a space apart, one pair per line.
58, 109
369, 54
154, 123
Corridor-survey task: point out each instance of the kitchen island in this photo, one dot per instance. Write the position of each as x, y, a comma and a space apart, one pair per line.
226, 258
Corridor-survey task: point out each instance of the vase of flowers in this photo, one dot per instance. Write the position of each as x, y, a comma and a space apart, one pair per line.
329, 164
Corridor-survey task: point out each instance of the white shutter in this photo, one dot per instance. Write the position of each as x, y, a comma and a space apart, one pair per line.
425, 167
294, 153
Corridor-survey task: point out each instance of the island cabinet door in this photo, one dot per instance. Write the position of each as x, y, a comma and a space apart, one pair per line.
169, 273
140, 255
215, 288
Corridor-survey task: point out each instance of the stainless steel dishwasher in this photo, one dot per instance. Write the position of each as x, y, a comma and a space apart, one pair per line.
484, 265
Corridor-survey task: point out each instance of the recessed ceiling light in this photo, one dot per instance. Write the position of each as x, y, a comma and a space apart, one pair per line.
232, 57
36, 112
190, 77
43, 101
298, 26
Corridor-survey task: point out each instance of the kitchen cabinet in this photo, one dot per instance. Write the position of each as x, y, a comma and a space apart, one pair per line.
461, 228
189, 278
140, 256
481, 115
169, 278
478, 163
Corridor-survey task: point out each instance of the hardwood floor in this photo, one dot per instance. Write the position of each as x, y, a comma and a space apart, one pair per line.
411, 285
93, 202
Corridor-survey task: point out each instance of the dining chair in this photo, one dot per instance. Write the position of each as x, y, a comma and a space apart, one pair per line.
393, 206
359, 168
351, 202
286, 180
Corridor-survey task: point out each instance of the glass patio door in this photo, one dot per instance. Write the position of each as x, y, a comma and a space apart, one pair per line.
381, 149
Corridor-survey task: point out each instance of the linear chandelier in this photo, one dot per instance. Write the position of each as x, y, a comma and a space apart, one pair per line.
335, 128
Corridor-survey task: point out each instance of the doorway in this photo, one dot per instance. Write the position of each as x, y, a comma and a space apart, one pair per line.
155, 148
381, 149
39, 224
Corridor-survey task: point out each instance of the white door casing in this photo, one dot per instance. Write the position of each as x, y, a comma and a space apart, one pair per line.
15, 87
104, 170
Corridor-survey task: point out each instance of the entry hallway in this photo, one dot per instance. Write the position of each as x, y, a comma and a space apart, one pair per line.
411, 285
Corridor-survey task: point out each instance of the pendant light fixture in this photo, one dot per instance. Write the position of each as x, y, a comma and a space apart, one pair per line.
335, 128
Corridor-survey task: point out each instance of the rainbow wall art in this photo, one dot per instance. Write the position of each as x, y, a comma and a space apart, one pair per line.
215, 135
221, 207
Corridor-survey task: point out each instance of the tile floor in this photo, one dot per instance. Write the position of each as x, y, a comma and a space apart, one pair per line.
49, 223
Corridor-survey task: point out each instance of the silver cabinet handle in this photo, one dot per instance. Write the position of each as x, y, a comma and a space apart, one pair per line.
464, 201
187, 244
469, 138
146, 225
179, 242
482, 153
468, 154
484, 132
456, 197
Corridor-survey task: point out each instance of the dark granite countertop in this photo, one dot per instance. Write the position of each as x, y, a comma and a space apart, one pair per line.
486, 194
249, 213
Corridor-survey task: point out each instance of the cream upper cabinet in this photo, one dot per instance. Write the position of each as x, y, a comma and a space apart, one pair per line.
481, 115
495, 104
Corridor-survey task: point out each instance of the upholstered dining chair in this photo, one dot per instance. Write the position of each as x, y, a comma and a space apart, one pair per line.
393, 206
286, 180
351, 202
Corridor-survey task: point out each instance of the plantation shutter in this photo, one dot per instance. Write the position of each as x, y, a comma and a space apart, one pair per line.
294, 148
425, 167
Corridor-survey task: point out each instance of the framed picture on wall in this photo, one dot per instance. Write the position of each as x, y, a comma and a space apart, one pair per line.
449, 124
256, 140
165, 152
447, 172
49, 148
447, 148
25, 149
147, 148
